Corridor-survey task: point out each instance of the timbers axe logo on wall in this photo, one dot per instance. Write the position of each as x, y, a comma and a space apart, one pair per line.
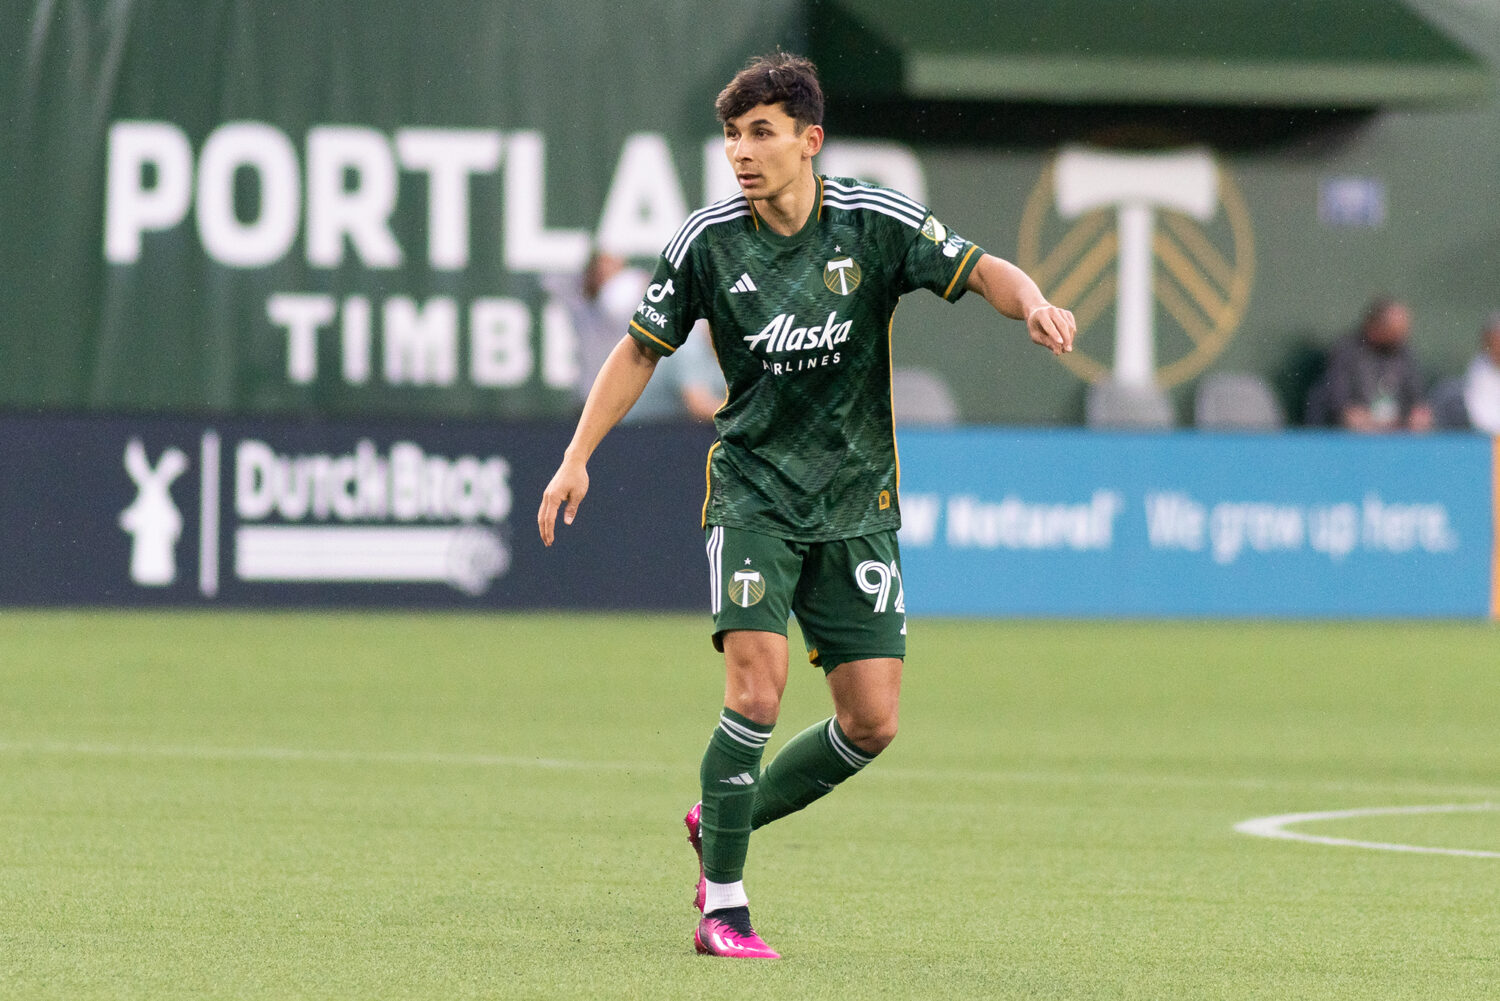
1159, 244
367, 516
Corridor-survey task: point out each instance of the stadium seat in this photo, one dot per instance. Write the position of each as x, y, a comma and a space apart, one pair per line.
1119, 405
1318, 410
922, 397
1448, 408
1236, 401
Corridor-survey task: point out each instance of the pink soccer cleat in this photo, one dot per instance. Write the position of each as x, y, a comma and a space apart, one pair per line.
728, 933
693, 820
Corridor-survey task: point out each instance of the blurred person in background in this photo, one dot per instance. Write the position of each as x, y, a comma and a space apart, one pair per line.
1482, 380
600, 302
689, 384
1372, 383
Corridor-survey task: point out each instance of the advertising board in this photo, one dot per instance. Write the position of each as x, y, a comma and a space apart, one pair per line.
156, 511
1069, 523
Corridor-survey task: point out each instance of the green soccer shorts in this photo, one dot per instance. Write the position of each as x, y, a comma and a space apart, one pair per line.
846, 594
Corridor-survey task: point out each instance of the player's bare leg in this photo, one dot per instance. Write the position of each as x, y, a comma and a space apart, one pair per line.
755, 669
866, 699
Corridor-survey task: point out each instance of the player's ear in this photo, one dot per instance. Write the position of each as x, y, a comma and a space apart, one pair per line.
812, 141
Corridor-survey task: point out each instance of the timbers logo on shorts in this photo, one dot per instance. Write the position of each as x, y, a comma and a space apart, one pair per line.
746, 587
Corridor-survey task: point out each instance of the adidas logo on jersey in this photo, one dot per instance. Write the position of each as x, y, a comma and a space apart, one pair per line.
745, 284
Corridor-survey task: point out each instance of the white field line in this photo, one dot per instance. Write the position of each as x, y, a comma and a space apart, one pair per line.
1276, 827
1148, 780
57, 748
62, 749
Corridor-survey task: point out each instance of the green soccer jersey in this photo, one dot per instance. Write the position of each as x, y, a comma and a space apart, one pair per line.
802, 326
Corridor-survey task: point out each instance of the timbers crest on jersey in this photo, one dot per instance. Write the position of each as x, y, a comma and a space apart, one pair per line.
842, 275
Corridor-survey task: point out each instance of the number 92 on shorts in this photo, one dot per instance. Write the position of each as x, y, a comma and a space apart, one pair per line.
846, 593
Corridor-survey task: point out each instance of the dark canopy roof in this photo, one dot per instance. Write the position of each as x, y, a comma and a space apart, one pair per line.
1286, 53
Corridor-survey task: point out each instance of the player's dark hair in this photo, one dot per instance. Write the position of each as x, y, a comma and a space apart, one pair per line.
779, 78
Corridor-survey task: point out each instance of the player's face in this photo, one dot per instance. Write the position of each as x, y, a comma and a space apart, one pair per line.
767, 152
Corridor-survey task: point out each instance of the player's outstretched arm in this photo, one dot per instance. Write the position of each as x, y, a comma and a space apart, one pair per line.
619, 384
1012, 292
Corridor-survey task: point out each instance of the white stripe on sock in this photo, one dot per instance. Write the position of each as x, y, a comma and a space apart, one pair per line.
741, 733
852, 756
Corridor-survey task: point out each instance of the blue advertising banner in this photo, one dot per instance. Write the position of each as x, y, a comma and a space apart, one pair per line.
428, 514
441, 514
1071, 523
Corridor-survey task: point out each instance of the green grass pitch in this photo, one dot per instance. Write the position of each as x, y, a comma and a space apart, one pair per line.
346, 806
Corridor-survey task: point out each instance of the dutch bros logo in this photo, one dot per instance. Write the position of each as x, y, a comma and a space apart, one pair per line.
364, 517
152, 519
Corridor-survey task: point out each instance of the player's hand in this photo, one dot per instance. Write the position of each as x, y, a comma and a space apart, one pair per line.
1052, 327
569, 484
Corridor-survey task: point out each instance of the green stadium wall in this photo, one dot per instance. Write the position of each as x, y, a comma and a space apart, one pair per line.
347, 209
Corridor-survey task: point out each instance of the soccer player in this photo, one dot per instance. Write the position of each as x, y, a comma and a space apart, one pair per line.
798, 276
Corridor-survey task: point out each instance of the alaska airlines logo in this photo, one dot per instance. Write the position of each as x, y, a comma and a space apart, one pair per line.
782, 335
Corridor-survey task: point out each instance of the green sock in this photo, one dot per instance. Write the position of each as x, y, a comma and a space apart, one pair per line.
808, 767
730, 773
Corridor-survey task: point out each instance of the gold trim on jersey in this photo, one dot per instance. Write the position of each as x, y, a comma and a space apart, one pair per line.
637, 326
960, 270
890, 365
708, 482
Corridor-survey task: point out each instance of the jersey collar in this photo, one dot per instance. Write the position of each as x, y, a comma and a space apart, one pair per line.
773, 237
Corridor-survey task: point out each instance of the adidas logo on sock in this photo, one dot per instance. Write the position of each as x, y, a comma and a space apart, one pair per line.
745, 284
742, 779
